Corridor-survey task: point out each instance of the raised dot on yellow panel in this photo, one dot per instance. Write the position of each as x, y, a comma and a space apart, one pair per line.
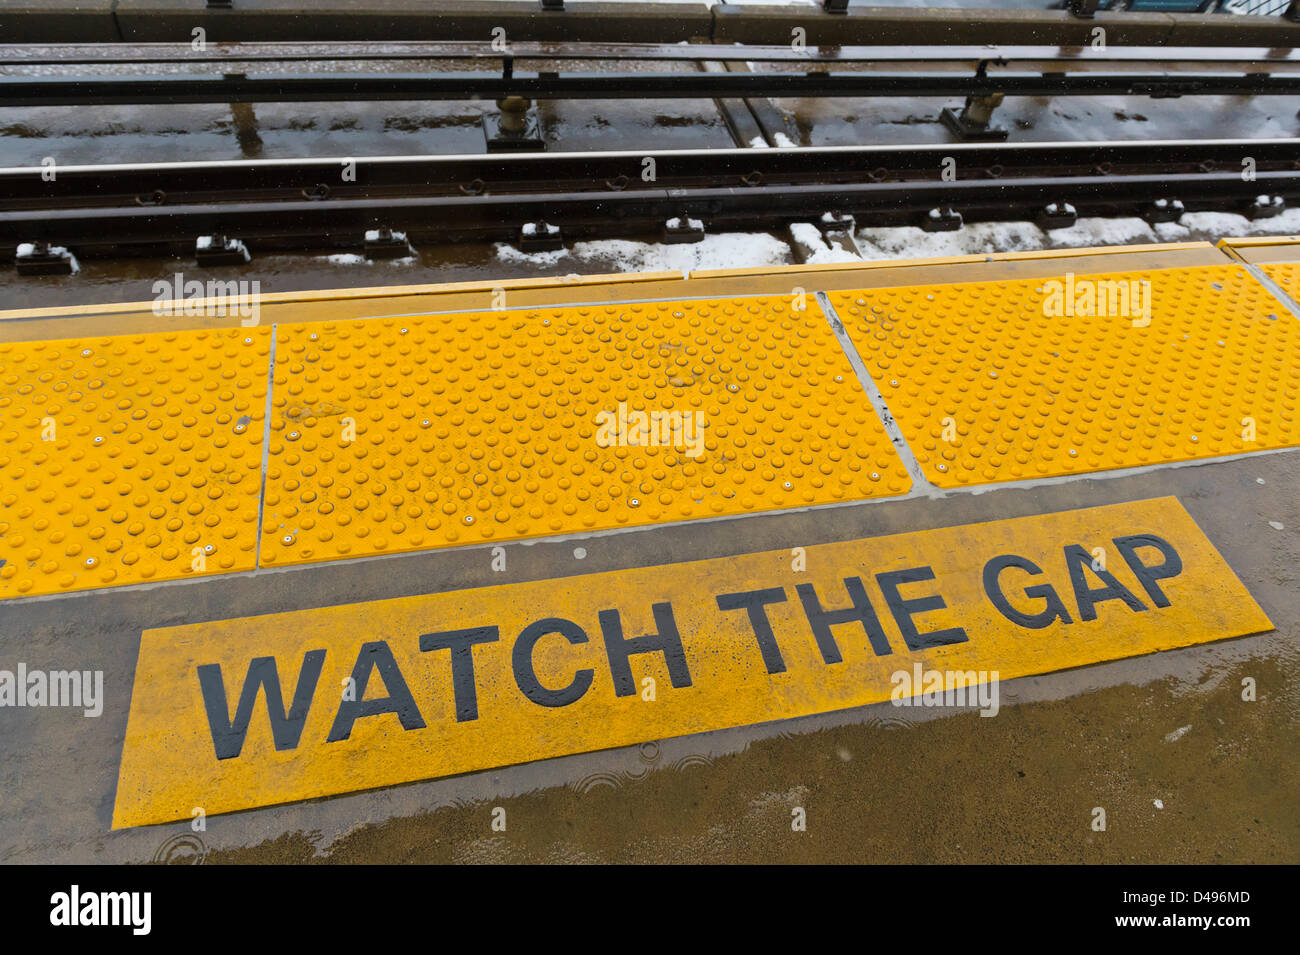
1286, 275
423, 432
130, 458
1016, 380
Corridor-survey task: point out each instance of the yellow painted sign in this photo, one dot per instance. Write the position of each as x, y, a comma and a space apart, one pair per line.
262, 710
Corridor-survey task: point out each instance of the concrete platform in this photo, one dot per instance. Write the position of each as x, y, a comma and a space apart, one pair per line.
1066, 740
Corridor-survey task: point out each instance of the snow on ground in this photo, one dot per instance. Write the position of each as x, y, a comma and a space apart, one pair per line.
820, 252
732, 250
911, 242
1217, 225
983, 238
755, 250
1089, 232
352, 258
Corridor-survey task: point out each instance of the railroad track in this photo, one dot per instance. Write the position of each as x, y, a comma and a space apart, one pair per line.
333, 202
788, 72
275, 205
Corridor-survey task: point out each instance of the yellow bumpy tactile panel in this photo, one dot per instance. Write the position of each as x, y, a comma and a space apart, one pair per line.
424, 432
130, 459
1015, 380
1286, 275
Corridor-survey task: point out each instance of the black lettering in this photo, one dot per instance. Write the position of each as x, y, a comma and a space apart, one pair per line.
461, 644
1079, 562
286, 729
376, 655
526, 676
1147, 574
667, 641
862, 612
904, 610
1054, 608
754, 601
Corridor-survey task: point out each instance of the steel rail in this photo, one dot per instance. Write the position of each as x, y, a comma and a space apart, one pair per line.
955, 57
302, 204
122, 181
370, 87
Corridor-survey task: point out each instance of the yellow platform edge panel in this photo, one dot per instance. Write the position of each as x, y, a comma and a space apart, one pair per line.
130, 459
1015, 380
405, 434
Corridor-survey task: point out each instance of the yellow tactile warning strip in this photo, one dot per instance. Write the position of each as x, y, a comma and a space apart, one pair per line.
130, 459
1014, 380
237, 714
391, 435
400, 434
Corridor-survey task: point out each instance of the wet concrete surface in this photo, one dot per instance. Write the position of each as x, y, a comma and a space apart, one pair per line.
949, 792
